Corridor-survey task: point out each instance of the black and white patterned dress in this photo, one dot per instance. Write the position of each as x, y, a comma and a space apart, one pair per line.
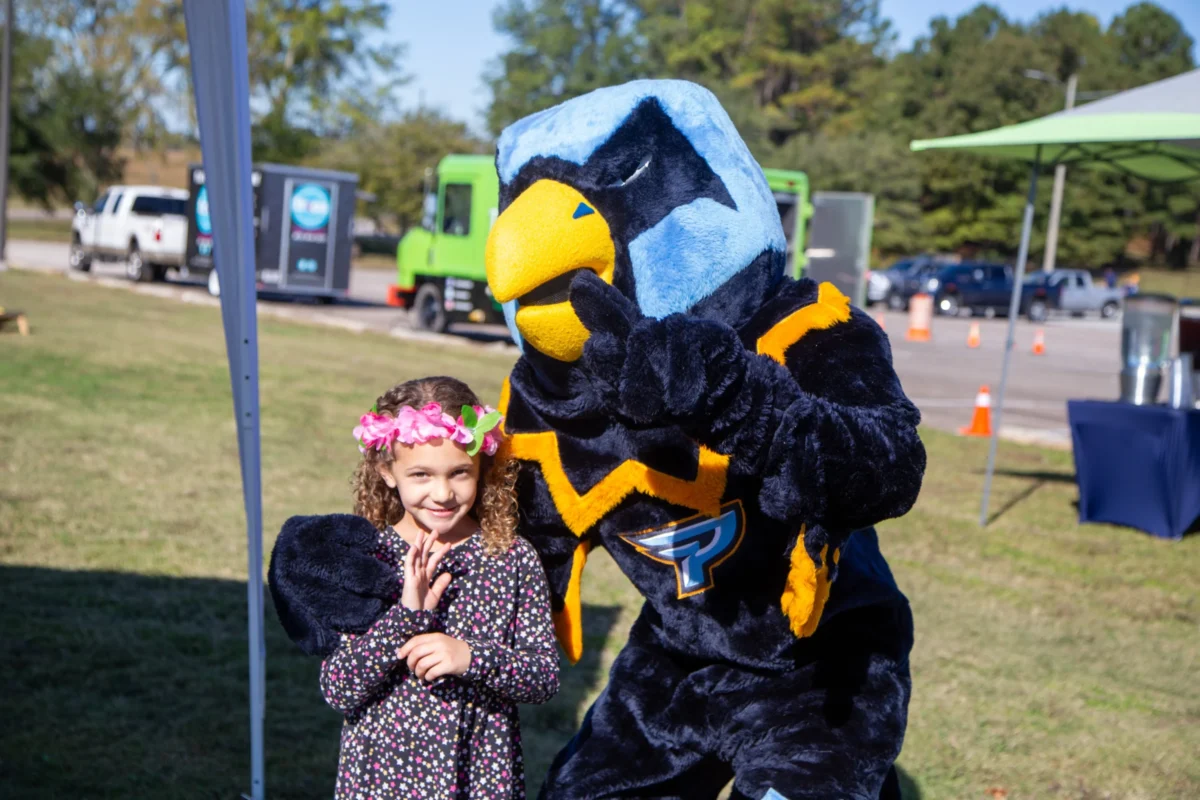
460, 736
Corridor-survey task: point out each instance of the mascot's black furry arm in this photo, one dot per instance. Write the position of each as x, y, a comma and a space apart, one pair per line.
728, 434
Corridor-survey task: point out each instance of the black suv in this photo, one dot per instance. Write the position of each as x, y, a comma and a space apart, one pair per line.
980, 287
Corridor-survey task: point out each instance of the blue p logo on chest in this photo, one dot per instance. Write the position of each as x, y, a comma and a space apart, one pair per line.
694, 546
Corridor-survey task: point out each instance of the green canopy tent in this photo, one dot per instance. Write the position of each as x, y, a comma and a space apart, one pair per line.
1152, 133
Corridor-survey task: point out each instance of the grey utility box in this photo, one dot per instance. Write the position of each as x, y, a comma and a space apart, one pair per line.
839, 241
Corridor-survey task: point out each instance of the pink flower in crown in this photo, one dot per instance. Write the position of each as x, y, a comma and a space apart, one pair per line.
418, 427
375, 430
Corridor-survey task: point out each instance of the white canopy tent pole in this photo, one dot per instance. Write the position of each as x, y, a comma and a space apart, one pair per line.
1014, 306
216, 31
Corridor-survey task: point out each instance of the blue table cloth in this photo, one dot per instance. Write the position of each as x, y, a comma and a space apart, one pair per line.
1137, 465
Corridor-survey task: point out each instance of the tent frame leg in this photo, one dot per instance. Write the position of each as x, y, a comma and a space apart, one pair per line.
1014, 307
217, 43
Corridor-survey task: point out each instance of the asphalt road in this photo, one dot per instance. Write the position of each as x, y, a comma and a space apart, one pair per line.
942, 376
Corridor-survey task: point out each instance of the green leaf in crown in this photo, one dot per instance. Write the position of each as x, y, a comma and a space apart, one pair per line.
479, 428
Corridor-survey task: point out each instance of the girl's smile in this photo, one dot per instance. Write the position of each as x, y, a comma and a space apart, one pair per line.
437, 482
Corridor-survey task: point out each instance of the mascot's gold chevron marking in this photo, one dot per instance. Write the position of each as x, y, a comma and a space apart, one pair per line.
831, 308
581, 511
568, 623
807, 589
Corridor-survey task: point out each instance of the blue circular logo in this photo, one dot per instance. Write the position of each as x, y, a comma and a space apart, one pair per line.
310, 206
203, 220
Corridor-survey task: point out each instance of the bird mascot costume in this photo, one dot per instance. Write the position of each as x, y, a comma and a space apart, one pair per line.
728, 434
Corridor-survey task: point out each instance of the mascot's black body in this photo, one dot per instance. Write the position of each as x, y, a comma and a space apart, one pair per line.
729, 435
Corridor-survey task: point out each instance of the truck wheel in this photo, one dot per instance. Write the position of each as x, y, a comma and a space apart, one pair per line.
1109, 309
896, 302
1037, 311
429, 309
78, 258
214, 283
136, 268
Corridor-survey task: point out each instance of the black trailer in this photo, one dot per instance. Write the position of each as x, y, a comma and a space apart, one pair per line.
303, 230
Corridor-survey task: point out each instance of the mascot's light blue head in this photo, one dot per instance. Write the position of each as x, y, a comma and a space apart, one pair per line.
649, 185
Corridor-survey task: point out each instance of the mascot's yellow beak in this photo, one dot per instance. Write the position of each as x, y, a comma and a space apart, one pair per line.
533, 252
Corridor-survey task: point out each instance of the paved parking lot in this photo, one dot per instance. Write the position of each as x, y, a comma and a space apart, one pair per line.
942, 376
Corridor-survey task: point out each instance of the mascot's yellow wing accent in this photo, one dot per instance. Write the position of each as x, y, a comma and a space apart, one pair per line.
568, 623
580, 512
831, 308
807, 589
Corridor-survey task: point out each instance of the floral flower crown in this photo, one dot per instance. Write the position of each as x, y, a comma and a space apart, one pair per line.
477, 427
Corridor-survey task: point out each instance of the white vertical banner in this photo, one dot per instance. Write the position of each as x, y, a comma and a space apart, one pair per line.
216, 31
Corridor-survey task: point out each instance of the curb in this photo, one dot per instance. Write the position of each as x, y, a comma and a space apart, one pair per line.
262, 310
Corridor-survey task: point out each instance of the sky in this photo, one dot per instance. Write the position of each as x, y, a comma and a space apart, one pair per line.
451, 43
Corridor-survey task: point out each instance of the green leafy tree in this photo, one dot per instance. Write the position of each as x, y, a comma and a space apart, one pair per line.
561, 49
391, 160
65, 125
1150, 44
305, 60
813, 85
801, 61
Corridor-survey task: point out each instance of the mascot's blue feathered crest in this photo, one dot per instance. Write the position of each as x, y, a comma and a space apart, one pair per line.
683, 236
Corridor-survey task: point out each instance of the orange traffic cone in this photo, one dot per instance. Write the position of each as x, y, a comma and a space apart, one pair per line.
1039, 343
880, 321
920, 317
973, 336
981, 422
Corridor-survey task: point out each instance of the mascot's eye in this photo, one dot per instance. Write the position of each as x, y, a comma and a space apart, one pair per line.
635, 174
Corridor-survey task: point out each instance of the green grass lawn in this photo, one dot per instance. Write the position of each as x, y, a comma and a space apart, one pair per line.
1180, 283
41, 230
1052, 660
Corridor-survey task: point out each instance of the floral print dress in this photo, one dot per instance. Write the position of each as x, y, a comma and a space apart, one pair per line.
458, 737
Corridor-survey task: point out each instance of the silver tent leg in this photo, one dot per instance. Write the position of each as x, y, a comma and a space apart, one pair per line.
1014, 307
216, 31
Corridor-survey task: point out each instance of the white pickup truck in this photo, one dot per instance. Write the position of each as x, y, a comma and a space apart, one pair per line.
144, 226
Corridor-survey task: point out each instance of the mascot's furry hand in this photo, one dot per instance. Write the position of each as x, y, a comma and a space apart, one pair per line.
325, 579
679, 370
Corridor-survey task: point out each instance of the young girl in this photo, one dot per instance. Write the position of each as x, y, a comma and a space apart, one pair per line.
430, 691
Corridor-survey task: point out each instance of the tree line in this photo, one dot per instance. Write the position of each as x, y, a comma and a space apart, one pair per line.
815, 85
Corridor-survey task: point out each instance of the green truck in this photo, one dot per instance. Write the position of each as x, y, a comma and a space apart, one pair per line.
440, 274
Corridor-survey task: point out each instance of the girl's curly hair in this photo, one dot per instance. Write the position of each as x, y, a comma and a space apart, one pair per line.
496, 501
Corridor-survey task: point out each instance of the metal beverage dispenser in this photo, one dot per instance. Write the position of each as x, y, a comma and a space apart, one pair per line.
1146, 335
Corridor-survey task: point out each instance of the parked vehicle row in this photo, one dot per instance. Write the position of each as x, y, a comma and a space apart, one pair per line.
303, 226
985, 288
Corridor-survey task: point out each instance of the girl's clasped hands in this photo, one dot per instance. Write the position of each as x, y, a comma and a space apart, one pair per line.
429, 655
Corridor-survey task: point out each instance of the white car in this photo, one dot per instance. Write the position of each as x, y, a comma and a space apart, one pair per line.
144, 226
879, 284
